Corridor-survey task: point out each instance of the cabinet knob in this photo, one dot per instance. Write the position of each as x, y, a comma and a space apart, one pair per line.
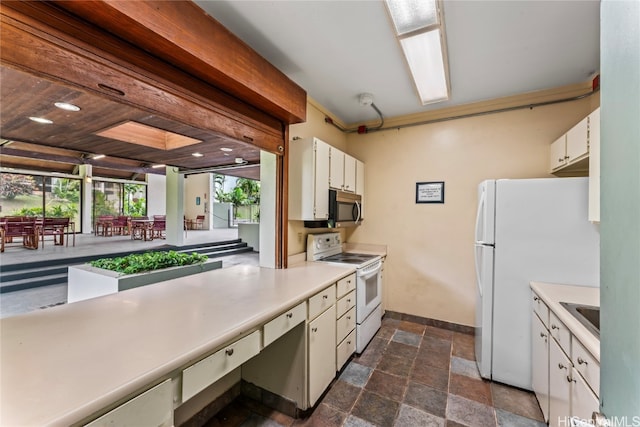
581, 361
348, 317
543, 335
314, 329
349, 300
569, 379
325, 296
566, 157
561, 159
289, 315
555, 327
561, 366
536, 298
229, 352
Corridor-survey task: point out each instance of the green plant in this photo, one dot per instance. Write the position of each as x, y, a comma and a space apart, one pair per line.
148, 261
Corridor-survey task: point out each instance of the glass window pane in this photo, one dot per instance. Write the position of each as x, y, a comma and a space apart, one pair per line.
135, 199
20, 195
62, 199
107, 198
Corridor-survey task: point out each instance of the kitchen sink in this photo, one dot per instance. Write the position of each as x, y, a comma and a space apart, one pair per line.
588, 315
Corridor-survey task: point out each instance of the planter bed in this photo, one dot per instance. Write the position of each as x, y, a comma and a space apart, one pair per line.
87, 282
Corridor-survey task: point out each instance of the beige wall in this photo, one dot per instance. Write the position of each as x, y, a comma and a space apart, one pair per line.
430, 267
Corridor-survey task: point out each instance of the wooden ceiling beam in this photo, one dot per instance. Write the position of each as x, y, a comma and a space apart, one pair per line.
182, 34
4, 151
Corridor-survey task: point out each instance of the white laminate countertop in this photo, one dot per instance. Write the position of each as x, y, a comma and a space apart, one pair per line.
63, 364
553, 294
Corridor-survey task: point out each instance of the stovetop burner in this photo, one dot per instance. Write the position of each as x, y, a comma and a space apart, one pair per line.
349, 258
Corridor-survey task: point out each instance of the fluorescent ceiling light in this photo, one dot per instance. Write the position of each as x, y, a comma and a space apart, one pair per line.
225, 149
411, 15
41, 120
197, 154
66, 106
158, 166
420, 31
98, 156
425, 60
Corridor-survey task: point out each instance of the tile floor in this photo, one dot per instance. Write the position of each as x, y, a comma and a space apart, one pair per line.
409, 375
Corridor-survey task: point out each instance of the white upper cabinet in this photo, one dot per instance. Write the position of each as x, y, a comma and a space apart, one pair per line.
359, 178
558, 153
336, 168
594, 166
578, 141
308, 180
343, 170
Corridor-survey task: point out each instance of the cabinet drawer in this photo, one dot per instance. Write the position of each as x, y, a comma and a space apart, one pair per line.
346, 284
284, 323
345, 349
153, 407
586, 364
345, 324
345, 303
321, 301
540, 308
560, 332
199, 376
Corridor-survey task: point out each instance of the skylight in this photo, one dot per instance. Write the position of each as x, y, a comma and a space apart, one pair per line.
419, 29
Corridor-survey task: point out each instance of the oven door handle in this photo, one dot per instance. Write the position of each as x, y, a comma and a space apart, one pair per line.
368, 274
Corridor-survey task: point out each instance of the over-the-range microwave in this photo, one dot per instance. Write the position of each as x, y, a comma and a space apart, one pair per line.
345, 209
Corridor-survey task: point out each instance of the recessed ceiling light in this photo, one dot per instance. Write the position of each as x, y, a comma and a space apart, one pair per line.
226, 149
239, 160
158, 166
66, 106
98, 156
197, 154
40, 120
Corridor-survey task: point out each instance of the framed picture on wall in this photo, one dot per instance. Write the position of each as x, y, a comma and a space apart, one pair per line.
430, 192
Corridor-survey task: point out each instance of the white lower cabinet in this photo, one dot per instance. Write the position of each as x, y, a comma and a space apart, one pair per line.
154, 407
559, 386
322, 360
566, 377
540, 364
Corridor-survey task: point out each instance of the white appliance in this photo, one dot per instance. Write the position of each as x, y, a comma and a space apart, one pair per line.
526, 230
327, 247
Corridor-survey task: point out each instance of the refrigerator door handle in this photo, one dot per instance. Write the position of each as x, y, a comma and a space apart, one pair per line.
478, 248
481, 207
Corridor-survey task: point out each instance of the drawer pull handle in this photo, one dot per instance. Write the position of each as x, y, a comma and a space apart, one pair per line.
325, 296
349, 300
571, 380
543, 335
581, 361
555, 327
348, 317
536, 298
289, 315
561, 366
348, 342
314, 329
229, 352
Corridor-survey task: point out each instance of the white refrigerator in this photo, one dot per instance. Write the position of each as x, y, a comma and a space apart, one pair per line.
526, 230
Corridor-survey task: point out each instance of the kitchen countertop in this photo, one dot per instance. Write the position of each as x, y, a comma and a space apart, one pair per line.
552, 294
63, 364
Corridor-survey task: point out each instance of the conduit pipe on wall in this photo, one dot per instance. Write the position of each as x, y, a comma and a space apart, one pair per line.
363, 129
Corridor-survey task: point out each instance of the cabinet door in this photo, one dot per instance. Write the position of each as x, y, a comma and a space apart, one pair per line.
321, 194
359, 178
578, 141
583, 402
558, 152
322, 354
540, 363
349, 183
559, 386
594, 166
336, 168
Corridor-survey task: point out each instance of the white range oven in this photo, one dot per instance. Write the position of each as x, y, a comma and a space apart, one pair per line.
327, 247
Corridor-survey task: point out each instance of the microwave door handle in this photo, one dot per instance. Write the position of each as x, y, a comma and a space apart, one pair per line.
357, 206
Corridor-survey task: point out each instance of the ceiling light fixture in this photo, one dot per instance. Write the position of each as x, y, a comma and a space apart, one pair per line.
420, 31
41, 120
66, 106
158, 166
239, 160
197, 155
98, 156
227, 150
